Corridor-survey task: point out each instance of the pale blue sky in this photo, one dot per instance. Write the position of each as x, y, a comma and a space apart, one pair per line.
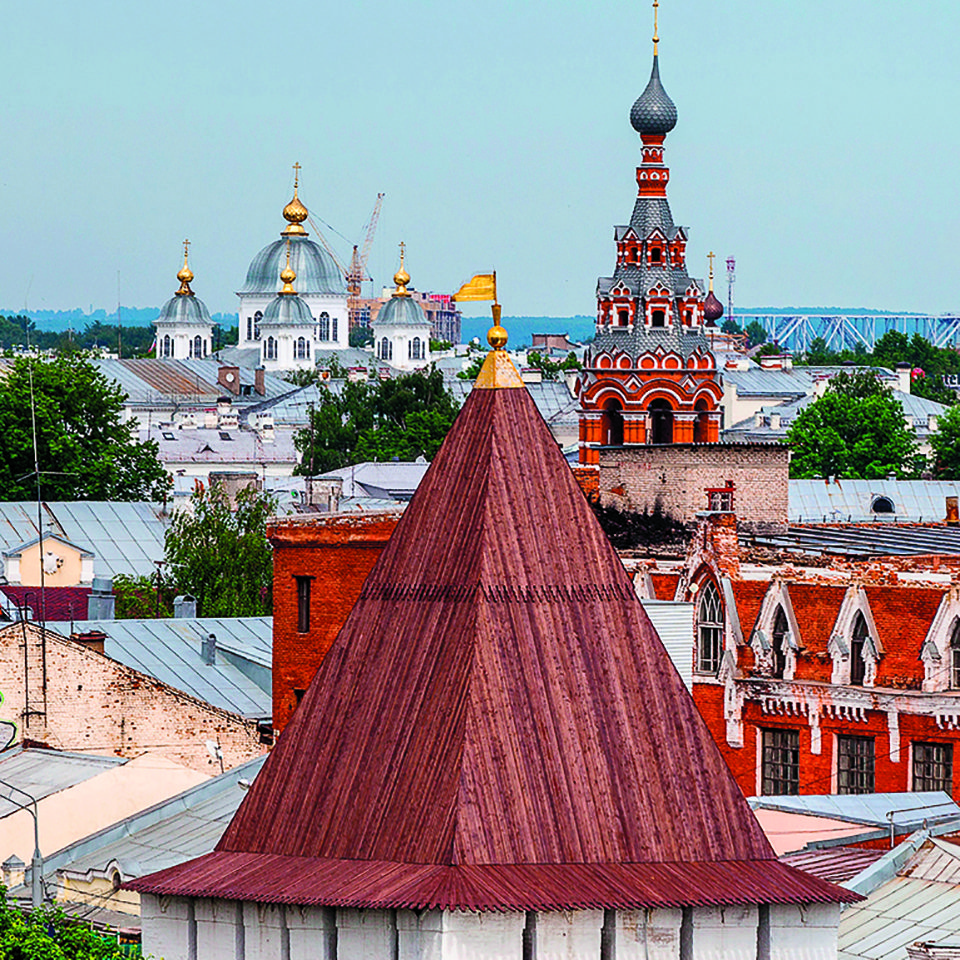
816, 141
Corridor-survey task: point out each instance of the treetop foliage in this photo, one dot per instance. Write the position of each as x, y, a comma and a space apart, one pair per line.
221, 555
855, 430
84, 450
402, 419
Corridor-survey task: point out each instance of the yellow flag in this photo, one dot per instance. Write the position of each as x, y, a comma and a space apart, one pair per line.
482, 287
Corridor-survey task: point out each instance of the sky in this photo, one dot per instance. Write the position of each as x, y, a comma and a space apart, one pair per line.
816, 142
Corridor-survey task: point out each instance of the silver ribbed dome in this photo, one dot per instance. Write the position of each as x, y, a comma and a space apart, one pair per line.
185, 309
654, 112
286, 310
315, 269
402, 311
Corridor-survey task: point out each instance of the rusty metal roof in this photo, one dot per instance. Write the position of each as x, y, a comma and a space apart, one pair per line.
497, 725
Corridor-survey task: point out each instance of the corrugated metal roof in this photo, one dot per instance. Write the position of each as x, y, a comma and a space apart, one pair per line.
875, 540
173, 831
124, 537
41, 773
390, 480
169, 650
221, 445
813, 501
673, 621
488, 729
376, 884
909, 809
835, 864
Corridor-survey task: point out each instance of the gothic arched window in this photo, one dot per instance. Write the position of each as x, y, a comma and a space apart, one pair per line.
167, 348
779, 641
955, 656
858, 666
302, 349
270, 349
324, 326
709, 630
196, 347
257, 317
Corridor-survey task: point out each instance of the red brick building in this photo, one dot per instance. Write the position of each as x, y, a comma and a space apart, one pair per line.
319, 566
824, 680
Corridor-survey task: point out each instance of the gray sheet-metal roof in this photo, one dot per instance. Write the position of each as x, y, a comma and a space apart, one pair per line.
881, 539
124, 537
221, 445
813, 501
757, 382
389, 480
920, 904
171, 832
42, 773
909, 809
169, 651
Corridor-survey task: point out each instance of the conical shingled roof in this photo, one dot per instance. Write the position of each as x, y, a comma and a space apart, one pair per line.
497, 725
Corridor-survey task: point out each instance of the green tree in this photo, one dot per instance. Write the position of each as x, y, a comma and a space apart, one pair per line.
755, 333
47, 934
473, 368
855, 430
401, 418
551, 369
360, 337
946, 446
731, 326
136, 597
221, 555
84, 450
438, 346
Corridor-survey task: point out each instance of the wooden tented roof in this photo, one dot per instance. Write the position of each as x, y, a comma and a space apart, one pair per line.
497, 726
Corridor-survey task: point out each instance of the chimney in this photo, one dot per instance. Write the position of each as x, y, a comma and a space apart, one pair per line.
772, 362
531, 375
953, 512
774, 421
229, 379
258, 384
184, 606
14, 871
100, 602
208, 649
232, 482
324, 494
91, 639
903, 377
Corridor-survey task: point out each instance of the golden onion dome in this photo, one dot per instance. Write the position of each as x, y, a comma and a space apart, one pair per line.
288, 275
185, 275
401, 278
295, 212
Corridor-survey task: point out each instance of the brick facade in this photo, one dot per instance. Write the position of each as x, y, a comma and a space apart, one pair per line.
93, 704
675, 478
335, 554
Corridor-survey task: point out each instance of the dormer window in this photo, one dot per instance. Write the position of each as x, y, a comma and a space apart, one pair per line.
655, 255
658, 318
858, 666
623, 317
955, 656
779, 637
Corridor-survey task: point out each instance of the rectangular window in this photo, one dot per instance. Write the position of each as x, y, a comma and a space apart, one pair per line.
933, 766
303, 604
855, 758
781, 763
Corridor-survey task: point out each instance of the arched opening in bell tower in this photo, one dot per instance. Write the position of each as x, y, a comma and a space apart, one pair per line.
661, 421
700, 424
612, 424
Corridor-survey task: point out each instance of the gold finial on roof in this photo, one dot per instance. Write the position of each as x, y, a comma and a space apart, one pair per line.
295, 212
710, 257
656, 35
287, 275
186, 274
401, 278
498, 371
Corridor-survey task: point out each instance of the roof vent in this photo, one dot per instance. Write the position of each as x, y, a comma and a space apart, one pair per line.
208, 649
882, 505
184, 606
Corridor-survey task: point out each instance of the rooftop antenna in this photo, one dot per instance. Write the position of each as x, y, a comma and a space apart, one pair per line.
731, 279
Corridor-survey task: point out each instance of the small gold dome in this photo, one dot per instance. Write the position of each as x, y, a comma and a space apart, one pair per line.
497, 337
185, 275
401, 278
295, 212
288, 274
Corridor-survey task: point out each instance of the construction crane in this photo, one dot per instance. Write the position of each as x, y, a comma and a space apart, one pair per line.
356, 273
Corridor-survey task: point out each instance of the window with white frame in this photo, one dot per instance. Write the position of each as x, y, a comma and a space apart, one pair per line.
933, 767
855, 765
324, 326
955, 656
780, 762
709, 630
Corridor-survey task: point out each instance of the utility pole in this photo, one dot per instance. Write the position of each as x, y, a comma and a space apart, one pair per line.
731, 279
36, 863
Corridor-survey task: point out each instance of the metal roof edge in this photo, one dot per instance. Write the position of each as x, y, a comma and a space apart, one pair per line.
162, 810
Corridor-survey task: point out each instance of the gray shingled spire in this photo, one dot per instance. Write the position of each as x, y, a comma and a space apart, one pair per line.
654, 112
